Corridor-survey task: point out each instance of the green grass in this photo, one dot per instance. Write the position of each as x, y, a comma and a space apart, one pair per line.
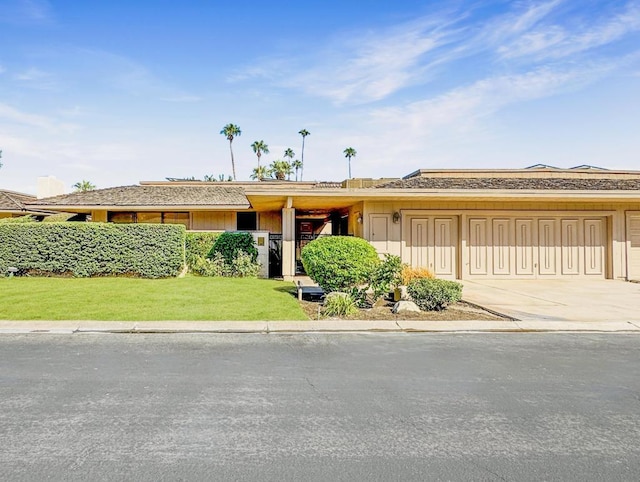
126, 299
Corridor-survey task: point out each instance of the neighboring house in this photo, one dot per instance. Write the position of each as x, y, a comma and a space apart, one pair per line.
13, 204
539, 222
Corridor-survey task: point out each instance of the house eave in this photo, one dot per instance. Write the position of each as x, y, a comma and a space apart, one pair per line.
136, 207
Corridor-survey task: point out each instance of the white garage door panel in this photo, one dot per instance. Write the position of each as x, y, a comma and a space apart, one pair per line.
524, 247
593, 247
570, 247
478, 246
445, 231
501, 241
433, 244
634, 248
547, 247
539, 247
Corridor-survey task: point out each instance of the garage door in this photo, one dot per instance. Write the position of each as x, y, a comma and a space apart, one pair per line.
634, 248
536, 247
433, 244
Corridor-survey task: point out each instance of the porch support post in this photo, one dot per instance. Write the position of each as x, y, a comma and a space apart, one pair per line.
99, 216
288, 242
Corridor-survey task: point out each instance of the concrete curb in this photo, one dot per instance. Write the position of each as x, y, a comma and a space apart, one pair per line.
317, 326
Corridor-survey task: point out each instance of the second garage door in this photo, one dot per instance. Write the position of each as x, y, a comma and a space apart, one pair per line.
536, 247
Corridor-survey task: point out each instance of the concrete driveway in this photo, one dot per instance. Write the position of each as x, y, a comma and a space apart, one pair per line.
557, 300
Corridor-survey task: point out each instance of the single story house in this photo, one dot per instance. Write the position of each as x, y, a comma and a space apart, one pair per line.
14, 204
533, 223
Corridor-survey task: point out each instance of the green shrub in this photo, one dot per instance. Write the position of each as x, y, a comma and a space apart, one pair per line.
208, 267
338, 263
19, 220
93, 249
243, 266
386, 275
434, 294
339, 304
230, 243
197, 247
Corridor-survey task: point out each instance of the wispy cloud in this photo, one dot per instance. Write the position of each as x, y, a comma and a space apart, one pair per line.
555, 41
465, 105
36, 79
9, 113
26, 12
377, 64
130, 76
362, 67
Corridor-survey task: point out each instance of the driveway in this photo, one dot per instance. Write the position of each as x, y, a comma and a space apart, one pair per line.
557, 300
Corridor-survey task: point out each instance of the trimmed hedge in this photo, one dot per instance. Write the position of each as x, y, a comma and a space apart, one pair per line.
434, 294
339, 263
93, 249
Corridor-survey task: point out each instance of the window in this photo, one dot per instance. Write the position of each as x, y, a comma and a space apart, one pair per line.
176, 218
247, 221
149, 217
122, 217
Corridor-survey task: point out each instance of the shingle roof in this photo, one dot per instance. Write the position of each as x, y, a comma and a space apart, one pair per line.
14, 201
152, 196
585, 184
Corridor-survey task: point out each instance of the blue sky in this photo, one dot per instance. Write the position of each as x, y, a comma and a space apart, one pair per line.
118, 91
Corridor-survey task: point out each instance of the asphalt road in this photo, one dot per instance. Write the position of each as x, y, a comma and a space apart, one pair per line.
320, 407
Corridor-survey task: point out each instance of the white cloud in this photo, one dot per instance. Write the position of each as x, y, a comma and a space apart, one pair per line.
34, 120
362, 67
555, 41
464, 105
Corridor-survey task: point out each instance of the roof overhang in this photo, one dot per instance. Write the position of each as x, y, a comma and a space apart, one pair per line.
342, 198
156, 208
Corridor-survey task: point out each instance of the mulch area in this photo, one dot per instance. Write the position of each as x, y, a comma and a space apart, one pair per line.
457, 311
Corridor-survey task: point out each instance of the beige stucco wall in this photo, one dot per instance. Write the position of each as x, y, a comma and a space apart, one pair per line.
270, 221
213, 220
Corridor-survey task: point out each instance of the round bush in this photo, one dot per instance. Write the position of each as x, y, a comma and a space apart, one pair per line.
434, 294
338, 263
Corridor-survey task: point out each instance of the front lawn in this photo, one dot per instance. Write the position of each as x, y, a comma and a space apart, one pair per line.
126, 299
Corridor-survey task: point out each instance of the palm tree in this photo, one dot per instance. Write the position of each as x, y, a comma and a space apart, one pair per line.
304, 133
290, 154
230, 131
296, 165
83, 186
259, 173
279, 169
259, 147
349, 152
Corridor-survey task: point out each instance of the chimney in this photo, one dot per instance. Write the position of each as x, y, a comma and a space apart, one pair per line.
49, 186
